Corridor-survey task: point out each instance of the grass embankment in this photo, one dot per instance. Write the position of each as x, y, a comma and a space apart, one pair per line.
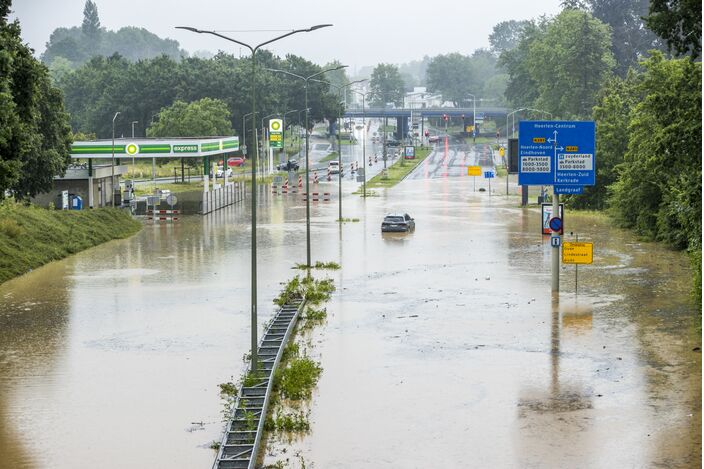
31, 236
397, 171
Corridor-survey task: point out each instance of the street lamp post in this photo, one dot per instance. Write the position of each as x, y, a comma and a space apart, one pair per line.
112, 166
133, 168
340, 89
284, 134
307, 109
364, 144
244, 130
253, 50
474, 118
300, 119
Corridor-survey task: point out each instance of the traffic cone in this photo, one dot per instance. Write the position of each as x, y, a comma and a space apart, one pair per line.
370, 161
375, 159
300, 181
329, 176
315, 177
351, 167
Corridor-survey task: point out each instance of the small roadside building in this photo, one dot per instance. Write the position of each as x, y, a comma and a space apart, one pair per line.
91, 175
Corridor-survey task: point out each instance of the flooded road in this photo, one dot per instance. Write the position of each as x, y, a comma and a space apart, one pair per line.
442, 348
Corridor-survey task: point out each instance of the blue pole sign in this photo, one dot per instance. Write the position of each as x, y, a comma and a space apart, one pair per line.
488, 174
569, 189
556, 153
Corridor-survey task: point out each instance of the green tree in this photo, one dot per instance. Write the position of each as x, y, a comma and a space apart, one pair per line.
611, 114
91, 21
386, 85
34, 131
451, 75
631, 40
659, 188
679, 23
522, 88
203, 118
506, 35
569, 62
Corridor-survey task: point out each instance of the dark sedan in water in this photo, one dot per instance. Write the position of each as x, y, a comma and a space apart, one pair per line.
398, 223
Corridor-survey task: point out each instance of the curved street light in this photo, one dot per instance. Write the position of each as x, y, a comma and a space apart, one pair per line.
307, 109
253, 50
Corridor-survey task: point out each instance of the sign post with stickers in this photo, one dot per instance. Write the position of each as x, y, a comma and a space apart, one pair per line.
561, 154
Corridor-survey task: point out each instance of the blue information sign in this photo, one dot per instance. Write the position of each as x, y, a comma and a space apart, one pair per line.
556, 153
569, 189
488, 174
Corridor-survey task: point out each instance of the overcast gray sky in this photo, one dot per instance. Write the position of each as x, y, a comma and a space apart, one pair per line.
365, 32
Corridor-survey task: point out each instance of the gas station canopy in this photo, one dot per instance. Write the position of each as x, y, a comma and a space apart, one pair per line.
156, 147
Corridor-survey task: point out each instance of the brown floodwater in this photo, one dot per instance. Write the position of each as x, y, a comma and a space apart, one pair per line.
442, 348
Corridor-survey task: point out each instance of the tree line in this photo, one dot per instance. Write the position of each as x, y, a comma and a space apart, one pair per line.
645, 99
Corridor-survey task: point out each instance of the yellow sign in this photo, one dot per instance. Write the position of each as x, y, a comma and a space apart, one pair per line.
577, 253
539, 140
572, 149
474, 170
502, 151
470, 128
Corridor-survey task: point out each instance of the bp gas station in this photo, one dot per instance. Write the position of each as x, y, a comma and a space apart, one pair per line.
102, 159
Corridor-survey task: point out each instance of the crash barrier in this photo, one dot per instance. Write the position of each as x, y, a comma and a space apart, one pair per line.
222, 196
243, 432
162, 215
317, 196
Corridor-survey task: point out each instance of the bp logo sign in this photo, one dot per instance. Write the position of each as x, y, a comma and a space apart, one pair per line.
131, 149
276, 133
275, 125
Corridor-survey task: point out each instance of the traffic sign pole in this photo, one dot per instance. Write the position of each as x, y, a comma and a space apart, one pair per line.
556, 250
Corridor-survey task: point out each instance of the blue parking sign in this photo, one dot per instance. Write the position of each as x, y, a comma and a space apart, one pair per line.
557, 153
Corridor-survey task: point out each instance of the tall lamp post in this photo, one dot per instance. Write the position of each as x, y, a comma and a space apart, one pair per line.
305, 81
244, 128
300, 119
253, 50
112, 166
340, 89
284, 134
133, 168
364, 143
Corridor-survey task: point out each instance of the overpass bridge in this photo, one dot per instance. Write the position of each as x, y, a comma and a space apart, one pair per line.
467, 112
404, 116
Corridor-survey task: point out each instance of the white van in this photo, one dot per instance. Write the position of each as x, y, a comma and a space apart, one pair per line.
334, 167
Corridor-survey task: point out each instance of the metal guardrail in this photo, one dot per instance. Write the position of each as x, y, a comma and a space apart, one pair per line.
240, 443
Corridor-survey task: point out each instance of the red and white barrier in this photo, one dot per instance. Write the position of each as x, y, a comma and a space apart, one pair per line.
315, 177
300, 181
317, 196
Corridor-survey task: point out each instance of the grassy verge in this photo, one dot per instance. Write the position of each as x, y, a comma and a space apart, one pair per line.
397, 171
332, 156
31, 236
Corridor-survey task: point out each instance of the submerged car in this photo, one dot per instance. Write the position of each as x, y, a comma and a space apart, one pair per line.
290, 165
433, 139
398, 223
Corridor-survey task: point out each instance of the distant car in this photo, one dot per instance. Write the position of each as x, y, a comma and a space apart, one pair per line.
235, 161
392, 143
433, 139
220, 173
398, 223
290, 165
334, 167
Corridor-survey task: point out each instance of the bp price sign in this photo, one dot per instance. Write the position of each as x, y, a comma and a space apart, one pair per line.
276, 133
556, 153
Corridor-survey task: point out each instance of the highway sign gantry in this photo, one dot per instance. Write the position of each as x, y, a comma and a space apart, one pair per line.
556, 153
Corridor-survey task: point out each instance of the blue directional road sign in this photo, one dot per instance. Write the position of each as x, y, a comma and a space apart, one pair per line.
569, 189
556, 153
488, 174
